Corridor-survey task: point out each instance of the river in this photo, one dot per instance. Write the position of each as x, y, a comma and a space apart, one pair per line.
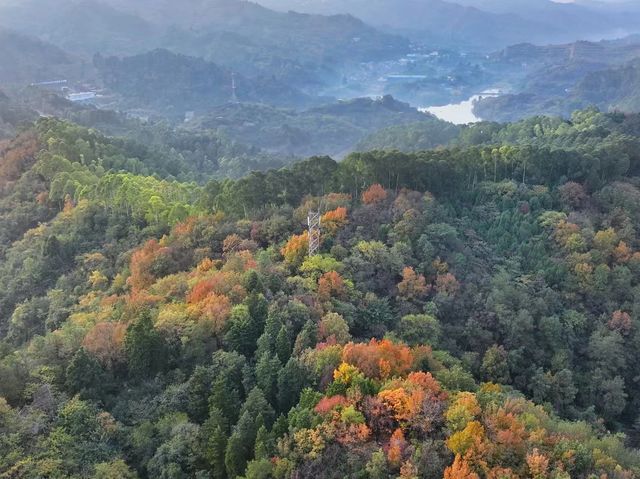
460, 113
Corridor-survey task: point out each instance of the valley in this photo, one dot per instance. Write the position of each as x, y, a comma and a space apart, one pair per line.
295, 239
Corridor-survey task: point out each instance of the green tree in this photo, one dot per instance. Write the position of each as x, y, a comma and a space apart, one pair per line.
283, 345
116, 469
214, 432
292, 379
85, 376
267, 369
415, 329
145, 347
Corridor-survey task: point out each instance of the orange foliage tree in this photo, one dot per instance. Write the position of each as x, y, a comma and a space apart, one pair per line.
375, 194
396, 448
538, 465
330, 285
460, 469
379, 359
215, 309
328, 404
413, 286
622, 253
447, 284
620, 321
296, 249
141, 264
105, 341
334, 220
17, 156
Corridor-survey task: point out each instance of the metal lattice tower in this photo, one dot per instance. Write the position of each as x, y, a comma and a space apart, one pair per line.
313, 220
234, 93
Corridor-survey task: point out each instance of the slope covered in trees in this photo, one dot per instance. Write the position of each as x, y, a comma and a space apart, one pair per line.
558, 79
331, 129
172, 84
473, 311
252, 40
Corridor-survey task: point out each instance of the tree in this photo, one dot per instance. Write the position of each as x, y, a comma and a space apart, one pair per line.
296, 249
379, 359
261, 468
85, 376
413, 286
460, 469
264, 444
416, 329
116, 469
214, 432
495, 365
267, 369
283, 345
375, 194
334, 220
225, 398
331, 285
258, 407
240, 446
241, 331
291, 381
178, 456
145, 347
27, 320
105, 342
333, 327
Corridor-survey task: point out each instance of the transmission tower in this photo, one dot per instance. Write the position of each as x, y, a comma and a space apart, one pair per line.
313, 220
234, 93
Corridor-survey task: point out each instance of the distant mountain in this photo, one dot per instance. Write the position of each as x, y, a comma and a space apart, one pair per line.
562, 78
479, 24
172, 84
82, 26
242, 35
611, 6
612, 89
25, 60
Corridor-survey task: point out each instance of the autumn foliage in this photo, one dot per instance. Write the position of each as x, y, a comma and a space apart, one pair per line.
413, 286
460, 469
331, 285
375, 194
296, 248
379, 359
141, 262
334, 220
105, 341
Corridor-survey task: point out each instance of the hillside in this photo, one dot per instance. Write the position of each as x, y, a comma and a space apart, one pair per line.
155, 327
616, 88
333, 129
477, 24
25, 60
172, 84
301, 49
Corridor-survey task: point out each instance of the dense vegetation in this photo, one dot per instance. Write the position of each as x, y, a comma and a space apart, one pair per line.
250, 39
331, 129
473, 311
558, 79
171, 84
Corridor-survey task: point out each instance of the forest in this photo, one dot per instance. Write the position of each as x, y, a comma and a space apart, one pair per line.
471, 312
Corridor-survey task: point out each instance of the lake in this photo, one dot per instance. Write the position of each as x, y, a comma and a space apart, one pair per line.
460, 113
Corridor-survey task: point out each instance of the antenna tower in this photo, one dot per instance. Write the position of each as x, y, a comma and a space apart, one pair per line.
313, 220
234, 96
